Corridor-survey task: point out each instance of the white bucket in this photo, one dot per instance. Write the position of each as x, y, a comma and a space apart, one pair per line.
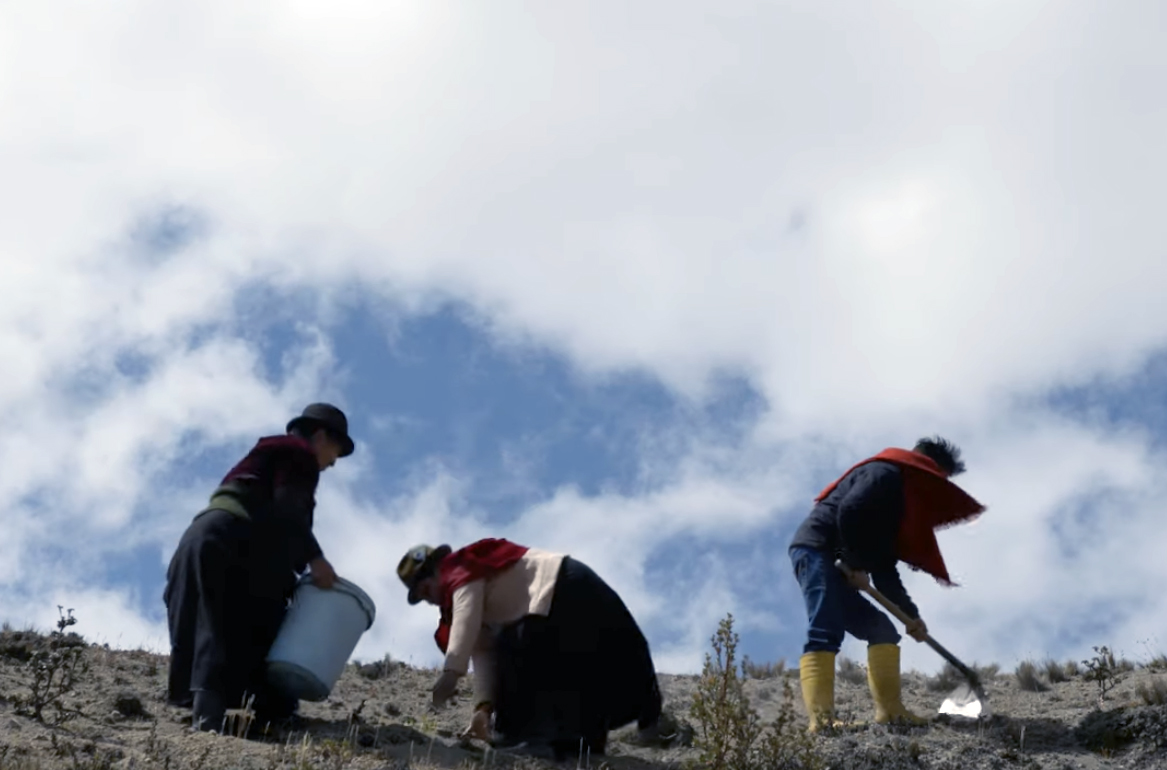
318, 635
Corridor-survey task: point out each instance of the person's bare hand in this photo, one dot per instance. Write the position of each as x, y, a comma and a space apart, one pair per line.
445, 687
323, 576
858, 579
479, 726
917, 630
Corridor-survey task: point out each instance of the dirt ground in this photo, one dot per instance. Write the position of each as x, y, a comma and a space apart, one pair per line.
378, 717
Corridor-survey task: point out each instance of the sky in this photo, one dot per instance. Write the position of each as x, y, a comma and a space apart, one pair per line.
627, 282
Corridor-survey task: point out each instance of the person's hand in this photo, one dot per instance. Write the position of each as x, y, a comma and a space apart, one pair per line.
445, 687
479, 725
323, 576
858, 579
917, 630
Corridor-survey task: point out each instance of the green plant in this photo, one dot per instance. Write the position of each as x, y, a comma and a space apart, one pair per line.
56, 667
787, 745
428, 724
731, 735
1104, 670
727, 725
1027, 677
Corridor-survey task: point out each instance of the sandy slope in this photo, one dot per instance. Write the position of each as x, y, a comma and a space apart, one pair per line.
378, 717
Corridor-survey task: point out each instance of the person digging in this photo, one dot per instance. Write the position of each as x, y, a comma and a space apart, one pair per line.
558, 658
883, 510
237, 564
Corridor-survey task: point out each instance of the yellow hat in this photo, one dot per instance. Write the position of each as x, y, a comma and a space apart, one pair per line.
418, 563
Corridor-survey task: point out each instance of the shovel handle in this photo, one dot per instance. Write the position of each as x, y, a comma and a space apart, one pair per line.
904, 618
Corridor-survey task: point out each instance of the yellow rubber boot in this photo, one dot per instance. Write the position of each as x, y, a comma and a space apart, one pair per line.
816, 670
883, 676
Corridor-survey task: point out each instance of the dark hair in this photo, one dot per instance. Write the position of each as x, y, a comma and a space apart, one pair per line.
942, 452
305, 430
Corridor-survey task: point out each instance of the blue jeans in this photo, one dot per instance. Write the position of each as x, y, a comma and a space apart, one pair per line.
834, 607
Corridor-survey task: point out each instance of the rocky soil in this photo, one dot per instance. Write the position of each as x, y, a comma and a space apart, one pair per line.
378, 717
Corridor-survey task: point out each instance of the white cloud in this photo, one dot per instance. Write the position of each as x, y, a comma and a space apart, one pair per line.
890, 219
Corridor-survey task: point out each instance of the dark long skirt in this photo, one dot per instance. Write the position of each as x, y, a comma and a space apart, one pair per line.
574, 675
226, 596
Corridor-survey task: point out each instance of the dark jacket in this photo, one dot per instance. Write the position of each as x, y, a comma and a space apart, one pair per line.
276, 484
859, 522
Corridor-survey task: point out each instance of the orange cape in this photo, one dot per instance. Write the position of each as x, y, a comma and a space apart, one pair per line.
931, 502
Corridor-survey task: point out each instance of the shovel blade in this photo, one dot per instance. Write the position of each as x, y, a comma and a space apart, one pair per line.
965, 701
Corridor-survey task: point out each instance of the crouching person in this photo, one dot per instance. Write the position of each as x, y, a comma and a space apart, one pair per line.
558, 659
882, 511
237, 564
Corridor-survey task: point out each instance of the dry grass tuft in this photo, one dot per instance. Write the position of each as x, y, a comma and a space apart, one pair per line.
754, 670
1153, 694
378, 669
851, 672
1028, 679
950, 678
1054, 671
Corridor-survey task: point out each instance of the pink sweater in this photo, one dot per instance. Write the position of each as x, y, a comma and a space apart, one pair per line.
481, 607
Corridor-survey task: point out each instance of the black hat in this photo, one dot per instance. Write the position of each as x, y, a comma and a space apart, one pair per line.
331, 419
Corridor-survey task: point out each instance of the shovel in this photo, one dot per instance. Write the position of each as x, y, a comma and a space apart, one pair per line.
967, 700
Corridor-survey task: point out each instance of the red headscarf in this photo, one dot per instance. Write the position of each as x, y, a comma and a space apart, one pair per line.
476, 561
931, 502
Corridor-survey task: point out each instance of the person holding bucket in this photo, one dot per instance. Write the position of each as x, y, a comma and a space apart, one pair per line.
883, 510
236, 566
558, 658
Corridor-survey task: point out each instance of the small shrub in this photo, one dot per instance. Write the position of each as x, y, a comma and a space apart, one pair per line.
786, 745
56, 667
851, 672
728, 726
1115, 729
1104, 670
1154, 694
754, 670
1027, 677
1054, 672
128, 704
950, 677
378, 669
730, 734
1072, 669
88, 757
1158, 663
946, 680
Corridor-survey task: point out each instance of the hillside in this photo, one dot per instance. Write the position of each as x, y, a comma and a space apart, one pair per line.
378, 717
